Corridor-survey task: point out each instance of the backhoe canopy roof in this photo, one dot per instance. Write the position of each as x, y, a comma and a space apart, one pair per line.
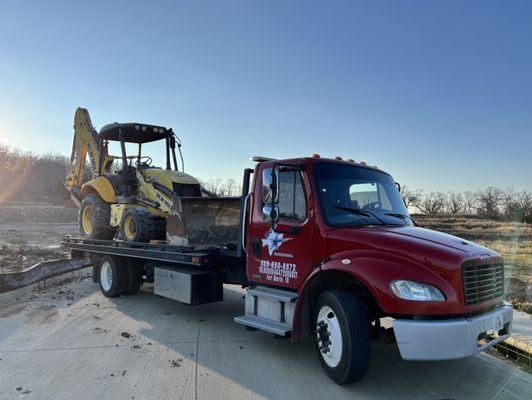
134, 132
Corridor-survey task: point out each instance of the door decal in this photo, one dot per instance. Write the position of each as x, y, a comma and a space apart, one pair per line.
273, 240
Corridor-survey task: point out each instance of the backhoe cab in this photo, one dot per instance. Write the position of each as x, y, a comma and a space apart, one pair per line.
127, 194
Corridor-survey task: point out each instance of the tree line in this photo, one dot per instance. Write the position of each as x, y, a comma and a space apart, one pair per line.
30, 177
26, 176
490, 202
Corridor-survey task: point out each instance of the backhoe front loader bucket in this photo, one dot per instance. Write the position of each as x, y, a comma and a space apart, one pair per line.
204, 222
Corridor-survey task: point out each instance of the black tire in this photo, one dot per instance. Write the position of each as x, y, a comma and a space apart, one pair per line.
113, 284
134, 278
93, 218
95, 261
137, 225
353, 325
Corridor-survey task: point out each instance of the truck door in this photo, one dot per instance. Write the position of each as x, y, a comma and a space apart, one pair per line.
282, 256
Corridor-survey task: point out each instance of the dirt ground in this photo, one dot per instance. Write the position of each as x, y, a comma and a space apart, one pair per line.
31, 233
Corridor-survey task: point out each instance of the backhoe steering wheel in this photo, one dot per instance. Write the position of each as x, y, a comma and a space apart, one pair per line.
147, 162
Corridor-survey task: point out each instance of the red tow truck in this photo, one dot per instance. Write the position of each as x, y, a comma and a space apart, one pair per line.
323, 248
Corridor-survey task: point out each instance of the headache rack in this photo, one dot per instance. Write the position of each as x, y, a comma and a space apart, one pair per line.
482, 282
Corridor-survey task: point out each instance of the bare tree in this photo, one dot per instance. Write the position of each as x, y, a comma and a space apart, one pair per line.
521, 208
470, 202
231, 188
432, 203
489, 200
454, 202
411, 198
213, 186
508, 201
219, 188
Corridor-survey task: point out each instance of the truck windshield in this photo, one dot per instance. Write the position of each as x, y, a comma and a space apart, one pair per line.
352, 195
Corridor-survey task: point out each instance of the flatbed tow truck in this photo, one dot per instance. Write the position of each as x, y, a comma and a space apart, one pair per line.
323, 247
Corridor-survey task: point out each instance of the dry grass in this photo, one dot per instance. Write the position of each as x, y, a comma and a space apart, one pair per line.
512, 239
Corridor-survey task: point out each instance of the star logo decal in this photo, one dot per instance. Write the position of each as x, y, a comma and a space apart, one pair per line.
273, 240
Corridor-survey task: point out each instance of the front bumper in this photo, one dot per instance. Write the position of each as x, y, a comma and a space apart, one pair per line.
450, 339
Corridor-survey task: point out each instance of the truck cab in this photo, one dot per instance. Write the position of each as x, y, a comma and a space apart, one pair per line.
319, 226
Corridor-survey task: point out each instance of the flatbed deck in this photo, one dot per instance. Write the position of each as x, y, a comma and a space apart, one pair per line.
146, 251
227, 263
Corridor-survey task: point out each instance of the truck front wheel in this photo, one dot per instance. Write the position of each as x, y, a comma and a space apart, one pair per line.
342, 337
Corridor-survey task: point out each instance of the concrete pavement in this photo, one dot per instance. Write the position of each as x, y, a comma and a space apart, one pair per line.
70, 342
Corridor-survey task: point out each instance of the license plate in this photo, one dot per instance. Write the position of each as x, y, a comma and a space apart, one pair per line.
497, 322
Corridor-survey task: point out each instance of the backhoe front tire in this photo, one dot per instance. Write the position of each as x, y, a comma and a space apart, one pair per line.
137, 225
94, 216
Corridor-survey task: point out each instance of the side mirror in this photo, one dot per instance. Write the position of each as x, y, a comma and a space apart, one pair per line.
270, 195
274, 215
274, 186
270, 214
398, 185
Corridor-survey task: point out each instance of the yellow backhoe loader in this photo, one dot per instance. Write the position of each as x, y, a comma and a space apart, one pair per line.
127, 197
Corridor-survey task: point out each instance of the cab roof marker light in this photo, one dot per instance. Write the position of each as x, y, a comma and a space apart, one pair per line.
362, 163
351, 160
315, 155
338, 158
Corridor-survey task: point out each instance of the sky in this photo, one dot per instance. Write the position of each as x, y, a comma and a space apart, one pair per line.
437, 93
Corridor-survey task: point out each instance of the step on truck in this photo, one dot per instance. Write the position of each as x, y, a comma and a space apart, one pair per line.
324, 248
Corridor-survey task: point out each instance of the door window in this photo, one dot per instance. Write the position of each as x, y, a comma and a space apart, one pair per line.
292, 203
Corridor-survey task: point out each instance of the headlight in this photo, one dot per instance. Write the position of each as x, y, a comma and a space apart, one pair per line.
415, 291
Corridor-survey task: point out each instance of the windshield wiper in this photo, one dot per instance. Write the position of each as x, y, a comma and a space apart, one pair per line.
363, 213
402, 216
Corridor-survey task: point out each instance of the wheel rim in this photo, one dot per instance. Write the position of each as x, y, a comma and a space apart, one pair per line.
106, 275
130, 227
329, 336
86, 219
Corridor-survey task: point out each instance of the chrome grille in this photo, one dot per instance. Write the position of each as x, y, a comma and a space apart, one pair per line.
482, 282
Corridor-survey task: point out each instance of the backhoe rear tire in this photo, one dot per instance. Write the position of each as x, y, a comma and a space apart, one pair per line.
94, 215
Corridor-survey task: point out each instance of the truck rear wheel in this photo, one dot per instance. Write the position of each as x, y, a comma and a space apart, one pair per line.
134, 277
137, 225
113, 276
342, 338
94, 215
